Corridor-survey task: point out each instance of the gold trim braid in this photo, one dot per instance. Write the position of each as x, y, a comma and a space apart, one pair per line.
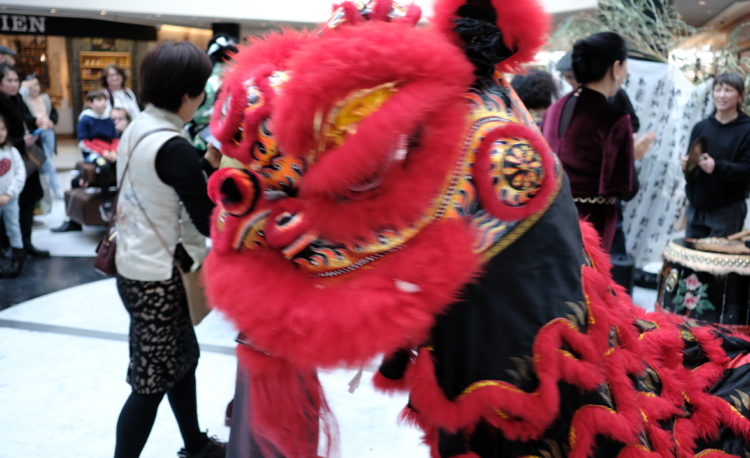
705, 261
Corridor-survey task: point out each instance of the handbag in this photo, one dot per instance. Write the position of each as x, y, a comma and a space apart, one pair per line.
34, 158
196, 296
104, 261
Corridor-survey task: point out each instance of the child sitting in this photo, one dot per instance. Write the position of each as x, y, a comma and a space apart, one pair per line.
12, 180
96, 132
97, 138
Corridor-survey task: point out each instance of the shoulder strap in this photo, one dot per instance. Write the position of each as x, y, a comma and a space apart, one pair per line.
132, 152
111, 97
137, 199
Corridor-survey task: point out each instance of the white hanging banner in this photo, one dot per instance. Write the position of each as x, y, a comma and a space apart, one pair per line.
669, 105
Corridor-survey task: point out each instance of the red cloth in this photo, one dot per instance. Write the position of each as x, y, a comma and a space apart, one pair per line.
597, 154
100, 146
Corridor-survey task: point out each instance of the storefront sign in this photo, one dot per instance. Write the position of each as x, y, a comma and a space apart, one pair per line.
21, 23
25, 24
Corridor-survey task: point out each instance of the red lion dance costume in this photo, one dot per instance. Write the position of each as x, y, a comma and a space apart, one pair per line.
396, 199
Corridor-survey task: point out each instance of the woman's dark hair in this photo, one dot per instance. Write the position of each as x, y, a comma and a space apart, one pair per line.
594, 55
536, 89
733, 80
106, 70
5, 68
171, 70
476, 26
5, 142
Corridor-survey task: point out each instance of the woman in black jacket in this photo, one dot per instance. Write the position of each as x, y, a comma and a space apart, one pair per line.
20, 122
718, 182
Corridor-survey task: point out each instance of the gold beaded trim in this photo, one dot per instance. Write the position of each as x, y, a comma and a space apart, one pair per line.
704, 261
611, 200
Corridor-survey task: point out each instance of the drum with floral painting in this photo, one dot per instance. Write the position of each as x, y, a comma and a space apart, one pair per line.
705, 285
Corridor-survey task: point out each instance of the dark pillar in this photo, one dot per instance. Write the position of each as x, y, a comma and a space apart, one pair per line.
230, 28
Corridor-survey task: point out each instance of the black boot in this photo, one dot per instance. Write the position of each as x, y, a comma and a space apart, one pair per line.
33, 252
67, 226
15, 266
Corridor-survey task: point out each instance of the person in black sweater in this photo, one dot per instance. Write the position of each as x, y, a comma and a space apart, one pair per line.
20, 122
718, 184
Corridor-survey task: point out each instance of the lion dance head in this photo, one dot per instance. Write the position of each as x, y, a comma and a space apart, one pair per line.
370, 186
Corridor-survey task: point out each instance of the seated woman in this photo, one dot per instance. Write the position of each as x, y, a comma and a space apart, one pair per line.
593, 139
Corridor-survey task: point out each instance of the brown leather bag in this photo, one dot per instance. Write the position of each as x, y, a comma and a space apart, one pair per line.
34, 158
104, 262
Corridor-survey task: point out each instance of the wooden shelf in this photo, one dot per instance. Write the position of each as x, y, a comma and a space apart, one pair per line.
93, 62
30, 59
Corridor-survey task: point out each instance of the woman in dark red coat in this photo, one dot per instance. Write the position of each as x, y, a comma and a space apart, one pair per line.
593, 139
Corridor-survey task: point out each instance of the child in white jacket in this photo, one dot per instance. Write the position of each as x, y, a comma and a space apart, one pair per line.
12, 180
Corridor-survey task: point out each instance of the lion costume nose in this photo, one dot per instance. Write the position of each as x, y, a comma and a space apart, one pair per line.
235, 190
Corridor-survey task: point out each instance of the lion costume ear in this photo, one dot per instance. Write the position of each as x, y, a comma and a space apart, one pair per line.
523, 25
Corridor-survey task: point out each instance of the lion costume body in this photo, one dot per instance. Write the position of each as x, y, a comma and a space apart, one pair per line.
396, 198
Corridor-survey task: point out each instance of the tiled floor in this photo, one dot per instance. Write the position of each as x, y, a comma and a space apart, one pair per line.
63, 356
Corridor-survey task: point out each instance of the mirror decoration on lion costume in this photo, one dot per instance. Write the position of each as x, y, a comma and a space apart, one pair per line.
396, 199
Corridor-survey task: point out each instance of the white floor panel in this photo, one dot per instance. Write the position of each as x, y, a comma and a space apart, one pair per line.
60, 393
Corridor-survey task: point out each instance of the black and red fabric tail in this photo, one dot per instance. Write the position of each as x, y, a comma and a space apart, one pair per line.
287, 406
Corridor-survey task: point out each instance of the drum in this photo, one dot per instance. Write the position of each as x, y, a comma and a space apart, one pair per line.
705, 285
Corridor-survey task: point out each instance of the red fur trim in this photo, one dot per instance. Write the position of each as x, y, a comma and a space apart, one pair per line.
523, 23
254, 63
286, 404
351, 13
227, 118
315, 322
243, 181
484, 177
591, 362
381, 11
388, 385
413, 13
431, 76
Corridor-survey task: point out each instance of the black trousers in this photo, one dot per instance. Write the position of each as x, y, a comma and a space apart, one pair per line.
32, 192
718, 222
